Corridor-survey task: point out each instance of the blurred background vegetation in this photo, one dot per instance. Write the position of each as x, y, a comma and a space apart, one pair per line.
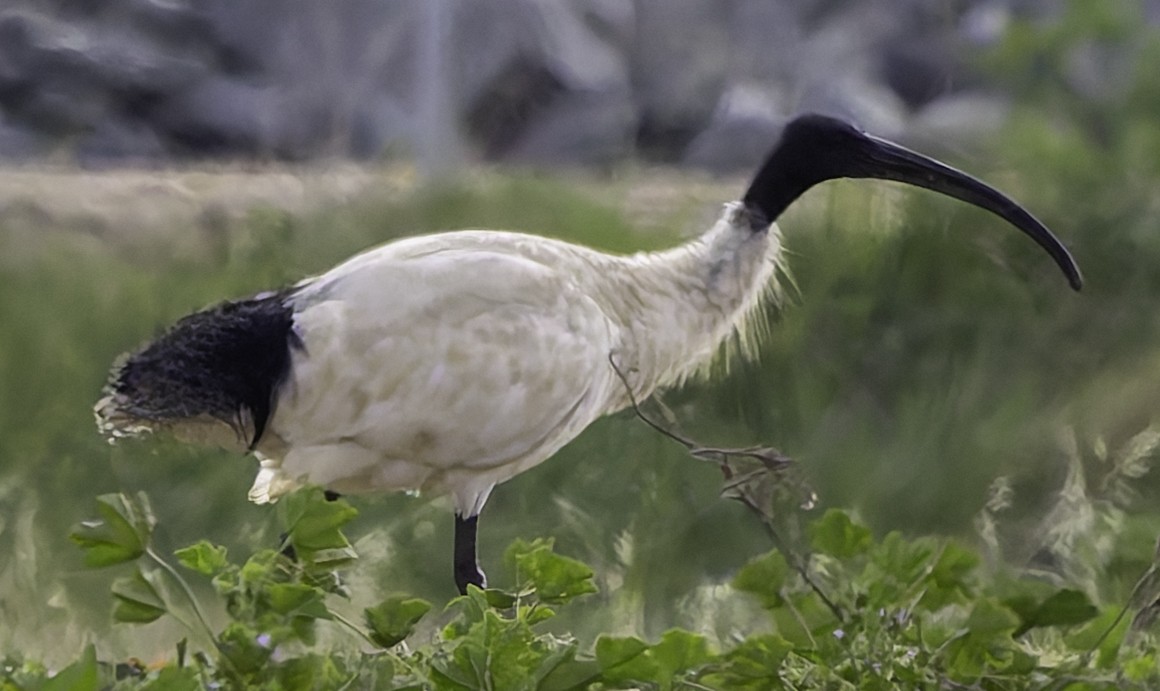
928, 360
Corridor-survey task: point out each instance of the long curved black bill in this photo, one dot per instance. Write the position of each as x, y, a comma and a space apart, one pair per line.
814, 148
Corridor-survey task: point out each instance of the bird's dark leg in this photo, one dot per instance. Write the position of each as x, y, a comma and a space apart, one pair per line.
466, 567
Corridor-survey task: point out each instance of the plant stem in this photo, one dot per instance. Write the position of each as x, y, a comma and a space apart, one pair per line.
186, 589
353, 627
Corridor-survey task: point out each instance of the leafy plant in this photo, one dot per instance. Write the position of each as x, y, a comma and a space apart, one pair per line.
862, 613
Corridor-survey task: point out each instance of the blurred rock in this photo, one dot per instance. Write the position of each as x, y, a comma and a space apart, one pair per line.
678, 67
584, 129
221, 115
19, 32
963, 117
379, 125
548, 87
921, 70
744, 127
119, 141
870, 105
19, 144
585, 82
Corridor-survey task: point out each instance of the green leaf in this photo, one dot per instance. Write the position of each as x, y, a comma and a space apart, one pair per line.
803, 620
571, 675
949, 579
247, 650
1066, 607
835, 534
550, 655
121, 533
556, 579
754, 664
203, 557
758, 657
679, 651
988, 617
313, 525
138, 598
625, 659
1104, 631
1140, 669
905, 560
297, 599
174, 679
393, 619
310, 671
500, 599
764, 577
81, 675
631, 659
538, 614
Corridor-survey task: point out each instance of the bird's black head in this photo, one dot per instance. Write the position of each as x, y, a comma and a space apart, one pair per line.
811, 149
815, 148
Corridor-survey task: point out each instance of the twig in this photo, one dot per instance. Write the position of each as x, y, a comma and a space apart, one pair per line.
735, 485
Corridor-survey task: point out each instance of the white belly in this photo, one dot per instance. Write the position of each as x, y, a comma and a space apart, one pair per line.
458, 374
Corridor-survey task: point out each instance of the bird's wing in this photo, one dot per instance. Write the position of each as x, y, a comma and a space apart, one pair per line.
425, 364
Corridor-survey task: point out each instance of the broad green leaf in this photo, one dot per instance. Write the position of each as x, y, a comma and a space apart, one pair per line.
539, 614
472, 608
313, 525
905, 560
988, 617
500, 599
679, 651
631, 659
174, 679
988, 650
965, 657
754, 664
756, 659
297, 599
203, 557
81, 675
835, 534
1103, 631
138, 598
1065, 607
310, 671
121, 533
803, 619
556, 579
571, 675
393, 619
1141, 669
625, 659
247, 649
764, 577
949, 579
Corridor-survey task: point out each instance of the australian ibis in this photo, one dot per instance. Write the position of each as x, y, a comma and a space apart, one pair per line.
449, 363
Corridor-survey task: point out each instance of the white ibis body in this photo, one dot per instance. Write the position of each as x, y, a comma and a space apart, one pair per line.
449, 363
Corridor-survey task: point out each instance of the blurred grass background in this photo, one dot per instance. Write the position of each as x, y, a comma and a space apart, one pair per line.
925, 350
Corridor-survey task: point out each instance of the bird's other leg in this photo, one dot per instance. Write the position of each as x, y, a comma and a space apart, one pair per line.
466, 566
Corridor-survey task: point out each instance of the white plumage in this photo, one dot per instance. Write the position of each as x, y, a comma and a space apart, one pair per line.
452, 362
500, 358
